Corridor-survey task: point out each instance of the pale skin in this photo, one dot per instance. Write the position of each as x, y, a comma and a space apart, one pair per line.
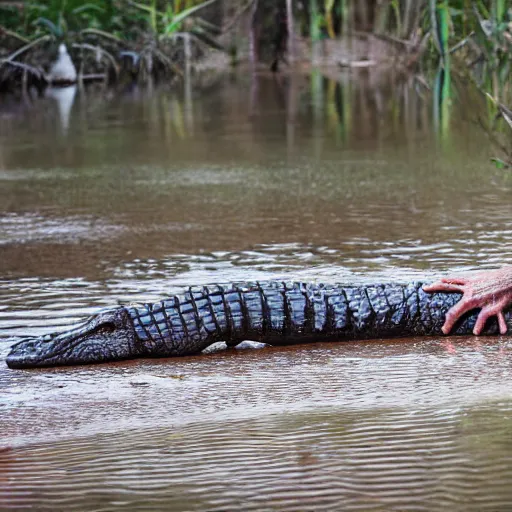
491, 291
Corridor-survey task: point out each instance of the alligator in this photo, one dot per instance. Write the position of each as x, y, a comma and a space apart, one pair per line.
276, 313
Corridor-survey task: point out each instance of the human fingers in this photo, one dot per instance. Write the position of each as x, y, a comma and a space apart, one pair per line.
454, 280
502, 323
488, 312
483, 316
440, 286
455, 313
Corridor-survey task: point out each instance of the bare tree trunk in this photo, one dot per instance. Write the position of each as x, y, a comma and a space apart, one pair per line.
253, 43
291, 35
363, 14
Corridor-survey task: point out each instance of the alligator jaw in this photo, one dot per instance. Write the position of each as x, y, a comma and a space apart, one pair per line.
107, 336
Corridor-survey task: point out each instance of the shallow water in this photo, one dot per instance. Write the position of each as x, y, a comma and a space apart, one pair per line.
132, 195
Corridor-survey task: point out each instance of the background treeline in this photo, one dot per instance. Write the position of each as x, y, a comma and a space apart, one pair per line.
163, 36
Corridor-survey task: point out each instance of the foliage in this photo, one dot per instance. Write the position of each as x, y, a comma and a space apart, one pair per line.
477, 32
145, 30
172, 21
58, 17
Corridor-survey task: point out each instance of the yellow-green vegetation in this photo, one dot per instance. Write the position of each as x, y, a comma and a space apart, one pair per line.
457, 39
123, 19
149, 32
157, 35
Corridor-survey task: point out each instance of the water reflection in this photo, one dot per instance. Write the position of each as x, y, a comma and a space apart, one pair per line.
349, 163
339, 109
64, 98
349, 461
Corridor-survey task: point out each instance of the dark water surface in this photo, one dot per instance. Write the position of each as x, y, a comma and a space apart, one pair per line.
132, 195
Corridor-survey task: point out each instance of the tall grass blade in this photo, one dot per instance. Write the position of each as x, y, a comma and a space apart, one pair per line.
102, 33
443, 16
433, 23
178, 18
344, 16
88, 7
54, 29
329, 22
500, 9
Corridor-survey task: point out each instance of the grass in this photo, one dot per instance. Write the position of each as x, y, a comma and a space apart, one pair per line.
157, 33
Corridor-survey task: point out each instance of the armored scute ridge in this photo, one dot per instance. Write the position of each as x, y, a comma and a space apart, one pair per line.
274, 312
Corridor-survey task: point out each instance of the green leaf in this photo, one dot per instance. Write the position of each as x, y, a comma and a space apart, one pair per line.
142, 7
88, 7
102, 33
54, 29
443, 27
499, 163
455, 12
179, 18
500, 9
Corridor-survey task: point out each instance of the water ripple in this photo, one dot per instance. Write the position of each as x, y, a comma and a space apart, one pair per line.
323, 460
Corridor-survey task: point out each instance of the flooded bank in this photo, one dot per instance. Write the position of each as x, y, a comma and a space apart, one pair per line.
133, 195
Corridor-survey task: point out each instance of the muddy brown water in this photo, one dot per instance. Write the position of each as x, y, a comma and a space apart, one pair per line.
131, 195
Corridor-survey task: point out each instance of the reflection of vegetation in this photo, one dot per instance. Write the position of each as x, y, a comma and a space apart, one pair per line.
155, 37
